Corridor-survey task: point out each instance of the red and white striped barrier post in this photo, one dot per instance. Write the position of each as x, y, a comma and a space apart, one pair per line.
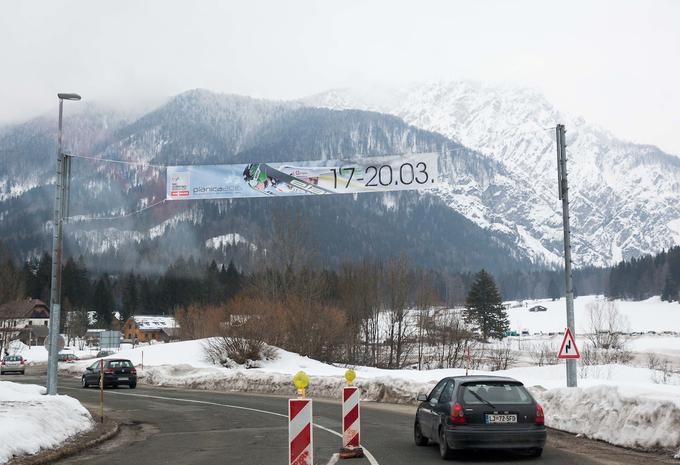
351, 425
300, 437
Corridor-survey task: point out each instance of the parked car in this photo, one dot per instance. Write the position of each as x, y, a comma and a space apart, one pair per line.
104, 353
480, 412
117, 372
68, 357
13, 364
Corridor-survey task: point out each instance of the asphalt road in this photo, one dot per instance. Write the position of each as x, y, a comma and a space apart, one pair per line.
174, 426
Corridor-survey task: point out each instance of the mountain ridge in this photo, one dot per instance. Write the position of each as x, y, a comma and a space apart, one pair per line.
512, 125
200, 127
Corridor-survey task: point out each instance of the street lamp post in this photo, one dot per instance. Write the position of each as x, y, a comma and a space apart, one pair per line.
55, 285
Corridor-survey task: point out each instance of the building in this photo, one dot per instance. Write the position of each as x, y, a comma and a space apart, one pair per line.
19, 315
538, 308
149, 328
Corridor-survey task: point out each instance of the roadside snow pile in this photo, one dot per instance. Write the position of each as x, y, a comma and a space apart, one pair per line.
608, 414
30, 421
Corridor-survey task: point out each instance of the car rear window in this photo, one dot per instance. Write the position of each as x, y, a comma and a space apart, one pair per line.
120, 364
495, 393
13, 358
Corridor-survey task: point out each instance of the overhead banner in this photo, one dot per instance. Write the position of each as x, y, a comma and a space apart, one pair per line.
374, 174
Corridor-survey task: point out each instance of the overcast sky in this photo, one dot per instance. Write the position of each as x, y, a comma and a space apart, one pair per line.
617, 63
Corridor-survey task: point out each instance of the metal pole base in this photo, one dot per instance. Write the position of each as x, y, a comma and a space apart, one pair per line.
351, 453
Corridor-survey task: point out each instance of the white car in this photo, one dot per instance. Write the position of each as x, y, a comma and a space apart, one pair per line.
13, 364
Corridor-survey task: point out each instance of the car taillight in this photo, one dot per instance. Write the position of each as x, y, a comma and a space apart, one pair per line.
457, 414
22, 361
2, 362
134, 371
540, 417
109, 370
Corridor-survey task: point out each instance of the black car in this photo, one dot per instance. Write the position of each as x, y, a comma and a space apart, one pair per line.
117, 372
480, 412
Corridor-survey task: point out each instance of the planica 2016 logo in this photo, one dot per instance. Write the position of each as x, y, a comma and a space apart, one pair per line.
215, 189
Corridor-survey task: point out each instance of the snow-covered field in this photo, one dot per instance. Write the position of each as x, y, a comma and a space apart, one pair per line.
648, 315
31, 421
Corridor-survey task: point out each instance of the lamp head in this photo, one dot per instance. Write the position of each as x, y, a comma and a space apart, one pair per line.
69, 96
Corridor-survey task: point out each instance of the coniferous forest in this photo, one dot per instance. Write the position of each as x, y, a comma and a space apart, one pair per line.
647, 276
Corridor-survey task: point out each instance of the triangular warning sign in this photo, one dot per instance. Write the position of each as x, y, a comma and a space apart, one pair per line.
569, 349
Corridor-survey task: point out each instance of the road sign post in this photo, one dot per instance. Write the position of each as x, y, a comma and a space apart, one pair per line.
101, 390
563, 190
568, 349
60, 344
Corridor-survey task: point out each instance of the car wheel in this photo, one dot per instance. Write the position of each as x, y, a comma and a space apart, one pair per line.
444, 450
133, 384
536, 452
418, 435
83, 383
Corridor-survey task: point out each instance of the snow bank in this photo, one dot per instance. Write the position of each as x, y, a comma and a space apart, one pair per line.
385, 389
30, 421
608, 414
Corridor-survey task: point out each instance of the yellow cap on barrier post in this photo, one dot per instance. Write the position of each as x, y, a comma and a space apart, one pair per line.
350, 376
301, 381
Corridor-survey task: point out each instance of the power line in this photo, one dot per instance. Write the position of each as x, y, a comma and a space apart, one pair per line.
123, 162
97, 218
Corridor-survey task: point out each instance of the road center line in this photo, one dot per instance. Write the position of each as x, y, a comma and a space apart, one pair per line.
368, 455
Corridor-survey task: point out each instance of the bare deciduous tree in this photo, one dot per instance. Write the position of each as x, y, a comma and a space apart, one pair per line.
543, 354
608, 327
501, 356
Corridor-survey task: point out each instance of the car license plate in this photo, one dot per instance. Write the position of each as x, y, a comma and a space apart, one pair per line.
122, 378
501, 418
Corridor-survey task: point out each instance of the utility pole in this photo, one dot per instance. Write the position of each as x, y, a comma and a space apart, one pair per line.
60, 204
563, 190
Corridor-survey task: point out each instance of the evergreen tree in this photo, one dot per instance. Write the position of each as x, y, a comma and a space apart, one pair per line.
130, 298
11, 282
211, 285
232, 281
669, 293
146, 300
75, 282
484, 307
103, 303
553, 290
43, 275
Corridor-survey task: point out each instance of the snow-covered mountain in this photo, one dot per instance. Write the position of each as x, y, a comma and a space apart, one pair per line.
202, 127
497, 207
625, 197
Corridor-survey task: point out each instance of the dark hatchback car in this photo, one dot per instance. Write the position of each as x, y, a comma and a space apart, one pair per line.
480, 412
117, 372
